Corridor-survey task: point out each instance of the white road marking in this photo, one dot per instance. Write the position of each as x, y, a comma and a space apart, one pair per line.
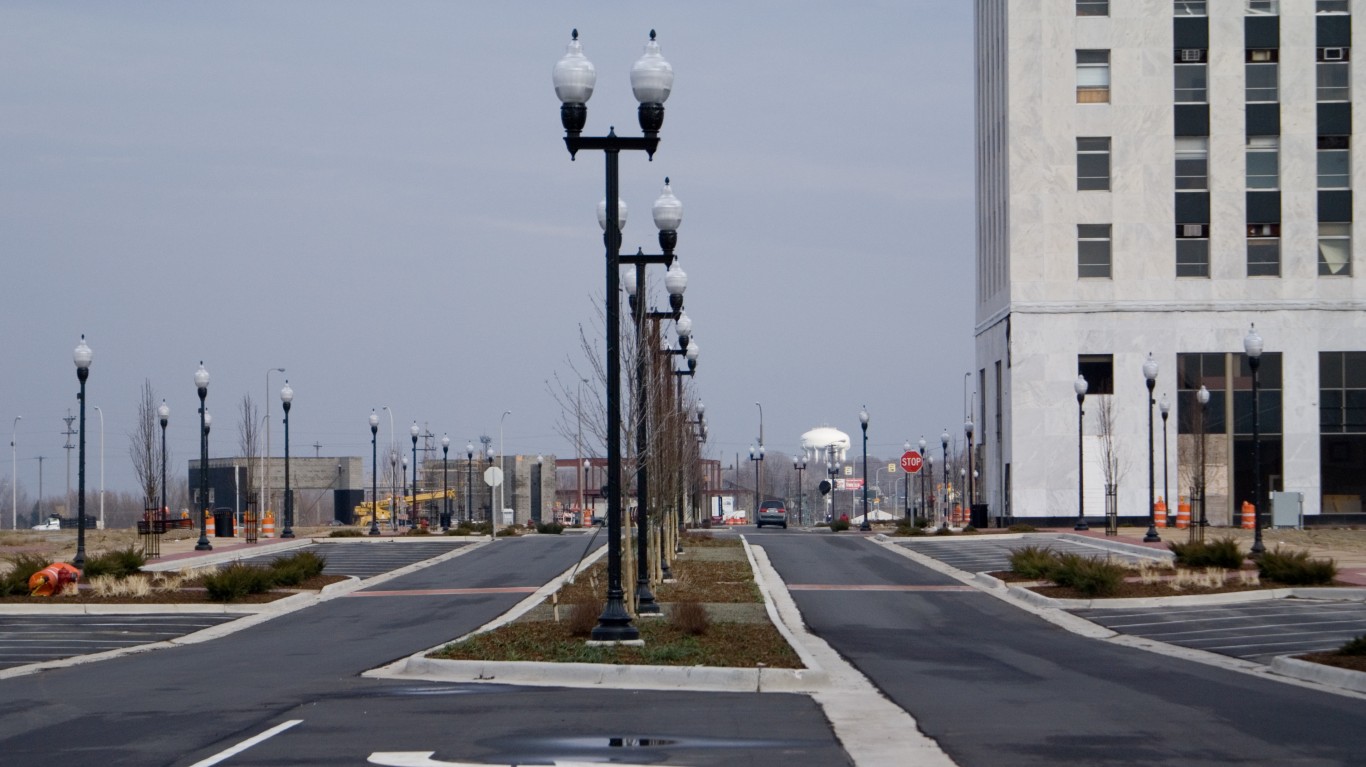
246, 744
424, 759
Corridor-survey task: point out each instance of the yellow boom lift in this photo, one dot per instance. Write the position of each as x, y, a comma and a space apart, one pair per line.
365, 509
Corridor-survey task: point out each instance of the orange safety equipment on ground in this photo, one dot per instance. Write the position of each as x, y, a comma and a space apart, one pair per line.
268, 526
52, 579
184, 513
1183, 514
1160, 512
208, 524
1249, 516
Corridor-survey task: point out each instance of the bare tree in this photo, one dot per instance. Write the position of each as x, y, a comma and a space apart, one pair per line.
249, 438
1112, 464
143, 449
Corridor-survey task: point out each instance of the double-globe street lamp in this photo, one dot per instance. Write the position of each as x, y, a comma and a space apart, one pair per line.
799, 465
287, 399
928, 469
971, 475
82, 357
374, 473
756, 456
469, 482
164, 414
413, 513
1202, 396
863, 423
445, 482
1252, 345
574, 78
944, 512
1164, 407
201, 385
1150, 377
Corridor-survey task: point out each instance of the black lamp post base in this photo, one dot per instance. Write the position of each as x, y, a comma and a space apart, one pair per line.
645, 599
374, 530
287, 534
614, 625
1081, 525
203, 545
1152, 536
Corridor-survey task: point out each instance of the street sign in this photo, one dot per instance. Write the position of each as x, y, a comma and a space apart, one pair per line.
851, 483
493, 476
911, 461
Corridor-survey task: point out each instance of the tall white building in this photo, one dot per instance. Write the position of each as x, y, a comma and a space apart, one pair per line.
1156, 176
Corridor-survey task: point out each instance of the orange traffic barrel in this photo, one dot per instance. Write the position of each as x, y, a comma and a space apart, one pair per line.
52, 579
1183, 514
1160, 512
268, 526
208, 524
1249, 516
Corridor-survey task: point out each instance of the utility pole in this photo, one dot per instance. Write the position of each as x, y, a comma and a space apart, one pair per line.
317, 452
40, 487
69, 433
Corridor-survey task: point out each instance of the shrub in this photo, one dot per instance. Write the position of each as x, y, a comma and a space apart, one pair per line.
970, 529
694, 536
922, 523
296, 568
346, 532
1020, 527
917, 532
1221, 553
22, 567
1354, 646
236, 581
1035, 562
1295, 568
840, 525
549, 528
120, 563
418, 530
690, 617
1092, 577
943, 531
507, 532
583, 617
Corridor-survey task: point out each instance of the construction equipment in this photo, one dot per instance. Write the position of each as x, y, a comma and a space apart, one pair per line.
365, 509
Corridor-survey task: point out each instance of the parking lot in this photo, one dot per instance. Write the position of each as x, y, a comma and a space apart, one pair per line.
28, 639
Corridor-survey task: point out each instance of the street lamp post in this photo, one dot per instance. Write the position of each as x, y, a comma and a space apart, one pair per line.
756, 456
651, 81
1252, 345
944, 512
1150, 376
587, 464
832, 468
445, 482
906, 487
412, 509
374, 473
82, 357
928, 468
1079, 386
536, 490
201, 384
863, 423
469, 482
164, 414
971, 475
799, 464
488, 455
1203, 397
14, 474
1164, 407
286, 399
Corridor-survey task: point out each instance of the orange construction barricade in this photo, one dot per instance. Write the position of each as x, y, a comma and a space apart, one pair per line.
52, 579
1183, 514
1160, 512
1249, 516
208, 524
268, 526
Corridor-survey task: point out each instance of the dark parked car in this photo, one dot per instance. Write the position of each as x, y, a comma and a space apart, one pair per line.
771, 513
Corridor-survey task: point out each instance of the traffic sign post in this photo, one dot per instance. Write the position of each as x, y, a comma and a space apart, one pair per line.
911, 461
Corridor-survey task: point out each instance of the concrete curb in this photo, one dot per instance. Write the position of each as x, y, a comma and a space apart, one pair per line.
1317, 672
239, 552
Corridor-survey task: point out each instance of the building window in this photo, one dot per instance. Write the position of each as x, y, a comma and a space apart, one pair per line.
1191, 75
1334, 74
1093, 250
1093, 7
1093, 77
1192, 372
1099, 371
1330, 6
1264, 250
1262, 76
1335, 162
1342, 392
1192, 163
1192, 250
1264, 162
1335, 250
1189, 7
1263, 7
1093, 163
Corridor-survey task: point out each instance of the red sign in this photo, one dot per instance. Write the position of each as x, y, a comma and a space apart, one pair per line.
911, 461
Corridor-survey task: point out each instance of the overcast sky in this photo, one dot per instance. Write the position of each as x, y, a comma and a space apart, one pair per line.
377, 197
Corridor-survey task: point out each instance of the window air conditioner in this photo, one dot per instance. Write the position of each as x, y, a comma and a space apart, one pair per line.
1334, 54
1259, 56
1191, 55
1192, 230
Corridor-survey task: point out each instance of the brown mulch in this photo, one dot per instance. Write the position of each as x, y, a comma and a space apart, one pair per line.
186, 595
1352, 662
696, 579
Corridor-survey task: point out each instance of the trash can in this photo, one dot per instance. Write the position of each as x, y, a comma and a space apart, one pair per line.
223, 523
977, 516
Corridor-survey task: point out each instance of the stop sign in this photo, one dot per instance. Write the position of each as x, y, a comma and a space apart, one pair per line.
911, 461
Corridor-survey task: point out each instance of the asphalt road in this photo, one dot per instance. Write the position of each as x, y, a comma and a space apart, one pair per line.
998, 686
184, 705
26, 639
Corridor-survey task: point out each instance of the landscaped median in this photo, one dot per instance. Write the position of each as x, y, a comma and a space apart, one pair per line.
718, 630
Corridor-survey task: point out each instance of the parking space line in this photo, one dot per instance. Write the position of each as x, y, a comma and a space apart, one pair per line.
246, 744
